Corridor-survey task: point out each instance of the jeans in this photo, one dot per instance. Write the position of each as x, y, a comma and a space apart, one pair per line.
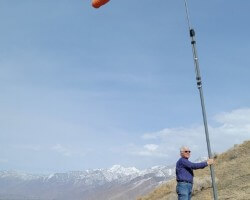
184, 190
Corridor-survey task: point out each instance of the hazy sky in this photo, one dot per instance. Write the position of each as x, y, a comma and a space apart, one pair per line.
89, 88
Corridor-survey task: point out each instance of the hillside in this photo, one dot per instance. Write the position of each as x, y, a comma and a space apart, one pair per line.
232, 170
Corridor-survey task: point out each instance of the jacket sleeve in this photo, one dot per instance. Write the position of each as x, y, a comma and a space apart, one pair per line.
191, 165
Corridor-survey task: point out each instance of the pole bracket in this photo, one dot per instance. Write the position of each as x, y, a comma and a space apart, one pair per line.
192, 33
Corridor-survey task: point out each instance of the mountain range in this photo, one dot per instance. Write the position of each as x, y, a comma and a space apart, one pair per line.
114, 183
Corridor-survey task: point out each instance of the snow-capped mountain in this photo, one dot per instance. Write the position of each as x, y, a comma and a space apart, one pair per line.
116, 182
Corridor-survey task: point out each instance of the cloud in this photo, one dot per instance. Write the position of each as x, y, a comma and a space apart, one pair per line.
236, 117
151, 147
228, 128
235, 123
62, 150
148, 150
168, 132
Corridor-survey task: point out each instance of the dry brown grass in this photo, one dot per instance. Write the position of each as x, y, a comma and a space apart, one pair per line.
232, 170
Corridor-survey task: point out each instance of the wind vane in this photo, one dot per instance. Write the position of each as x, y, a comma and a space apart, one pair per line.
99, 3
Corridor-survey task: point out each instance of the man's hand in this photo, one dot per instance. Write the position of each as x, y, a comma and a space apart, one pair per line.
210, 161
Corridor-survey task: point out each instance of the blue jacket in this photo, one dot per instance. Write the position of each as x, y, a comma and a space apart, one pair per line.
184, 169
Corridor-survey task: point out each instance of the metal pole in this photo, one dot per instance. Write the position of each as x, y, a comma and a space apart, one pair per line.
199, 85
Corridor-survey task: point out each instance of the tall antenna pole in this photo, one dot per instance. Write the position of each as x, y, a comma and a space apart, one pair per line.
199, 85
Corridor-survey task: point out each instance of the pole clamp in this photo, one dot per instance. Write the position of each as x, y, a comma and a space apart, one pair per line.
192, 33
199, 83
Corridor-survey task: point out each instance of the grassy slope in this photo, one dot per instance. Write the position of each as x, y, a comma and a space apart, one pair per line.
232, 170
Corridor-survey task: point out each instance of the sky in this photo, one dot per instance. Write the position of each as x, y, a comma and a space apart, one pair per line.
85, 88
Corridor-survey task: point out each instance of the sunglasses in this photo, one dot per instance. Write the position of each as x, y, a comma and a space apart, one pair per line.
187, 151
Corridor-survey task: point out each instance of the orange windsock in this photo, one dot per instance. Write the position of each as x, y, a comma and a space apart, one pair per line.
99, 3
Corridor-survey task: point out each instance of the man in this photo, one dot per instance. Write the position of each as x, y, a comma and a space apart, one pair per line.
184, 173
